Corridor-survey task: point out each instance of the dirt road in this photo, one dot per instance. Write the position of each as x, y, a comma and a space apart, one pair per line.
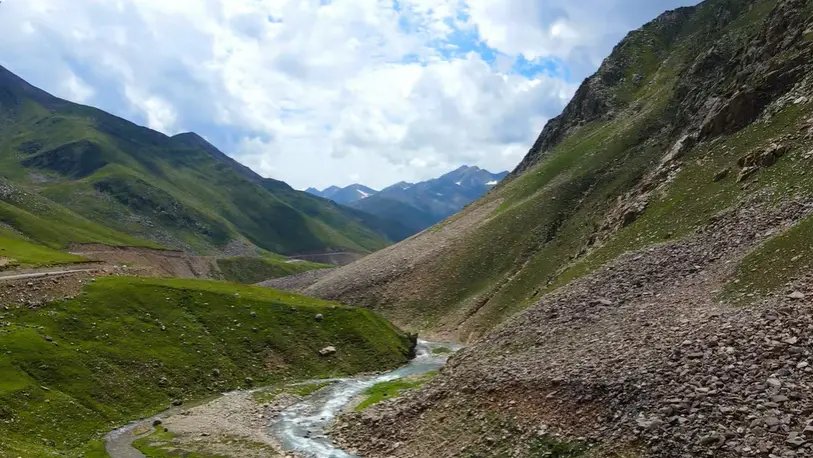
41, 274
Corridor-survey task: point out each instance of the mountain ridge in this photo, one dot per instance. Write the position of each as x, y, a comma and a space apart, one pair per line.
97, 169
418, 206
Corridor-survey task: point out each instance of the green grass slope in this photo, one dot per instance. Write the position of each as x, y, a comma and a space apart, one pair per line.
126, 348
15, 252
611, 175
179, 191
255, 270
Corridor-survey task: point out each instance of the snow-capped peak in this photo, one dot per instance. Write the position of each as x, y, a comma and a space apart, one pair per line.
458, 183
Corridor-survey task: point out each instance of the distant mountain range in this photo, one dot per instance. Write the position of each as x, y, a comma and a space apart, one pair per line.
417, 206
346, 195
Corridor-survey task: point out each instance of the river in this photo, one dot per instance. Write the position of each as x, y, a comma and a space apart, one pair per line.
301, 427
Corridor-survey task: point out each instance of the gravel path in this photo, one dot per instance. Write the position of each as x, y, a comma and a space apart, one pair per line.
49, 273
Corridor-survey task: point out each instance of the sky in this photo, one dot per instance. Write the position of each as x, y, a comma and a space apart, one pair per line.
326, 92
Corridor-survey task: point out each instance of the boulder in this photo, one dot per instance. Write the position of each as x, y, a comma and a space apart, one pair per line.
796, 295
327, 351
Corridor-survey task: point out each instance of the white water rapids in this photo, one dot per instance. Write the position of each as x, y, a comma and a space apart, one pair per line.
301, 427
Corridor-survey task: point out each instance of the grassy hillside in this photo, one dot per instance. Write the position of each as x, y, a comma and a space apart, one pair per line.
181, 192
16, 252
678, 124
255, 270
126, 348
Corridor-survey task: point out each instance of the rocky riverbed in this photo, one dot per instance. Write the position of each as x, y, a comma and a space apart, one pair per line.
274, 421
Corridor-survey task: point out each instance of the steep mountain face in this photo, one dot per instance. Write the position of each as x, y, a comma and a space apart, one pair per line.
104, 179
421, 205
640, 284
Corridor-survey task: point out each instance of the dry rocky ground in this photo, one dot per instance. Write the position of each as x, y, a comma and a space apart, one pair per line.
298, 282
162, 263
399, 273
33, 292
233, 425
640, 356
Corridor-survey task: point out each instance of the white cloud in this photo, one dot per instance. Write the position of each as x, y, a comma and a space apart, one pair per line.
319, 92
77, 89
570, 30
161, 116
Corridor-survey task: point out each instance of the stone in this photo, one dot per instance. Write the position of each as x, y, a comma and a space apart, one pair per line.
327, 351
712, 439
721, 175
319, 317
796, 295
795, 439
157, 422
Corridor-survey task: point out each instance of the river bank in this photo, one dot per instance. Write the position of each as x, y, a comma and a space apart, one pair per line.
288, 422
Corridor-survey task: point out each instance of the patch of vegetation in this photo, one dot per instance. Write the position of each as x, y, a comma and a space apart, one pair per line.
127, 347
160, 444
77, 160
20, 253
49, 224
266, 395
310, 388
96, 449
392, 389
254, 270
772, 265
551, 448
441, 351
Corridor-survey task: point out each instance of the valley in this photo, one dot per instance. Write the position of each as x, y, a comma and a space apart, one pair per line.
639, 286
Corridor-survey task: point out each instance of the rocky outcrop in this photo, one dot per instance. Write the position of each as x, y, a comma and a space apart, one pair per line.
596, 98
